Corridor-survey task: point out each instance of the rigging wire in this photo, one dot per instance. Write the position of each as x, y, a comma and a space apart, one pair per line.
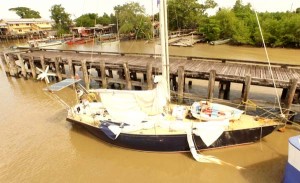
269, 65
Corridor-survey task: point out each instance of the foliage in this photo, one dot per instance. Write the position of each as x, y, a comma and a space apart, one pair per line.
240, 24
62, 20
91, 19
86, 20
187, 14
132, 20
210, 27
105, 19
25, 12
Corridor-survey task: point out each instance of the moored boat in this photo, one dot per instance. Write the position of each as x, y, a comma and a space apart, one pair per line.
38, 43
218, 42
148, 121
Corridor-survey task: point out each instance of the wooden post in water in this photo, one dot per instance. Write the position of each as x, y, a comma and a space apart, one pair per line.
42, 57
180, 84
103, 74
211, 84
71, 68
221, 90
133, 76
110, 73
284, 94
85, 74
174, 82
23, 70
57, 60
224, 90
4, 64
246, 88
32, 67
13, 67
127, 76
290, 96
8, 64
149, 76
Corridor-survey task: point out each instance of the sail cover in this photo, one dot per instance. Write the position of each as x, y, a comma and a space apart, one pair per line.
134, 106
62, 84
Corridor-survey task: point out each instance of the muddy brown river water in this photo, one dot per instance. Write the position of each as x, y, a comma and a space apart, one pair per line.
38, 145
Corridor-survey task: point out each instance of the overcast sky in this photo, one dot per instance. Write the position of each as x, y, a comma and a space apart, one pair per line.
79, 7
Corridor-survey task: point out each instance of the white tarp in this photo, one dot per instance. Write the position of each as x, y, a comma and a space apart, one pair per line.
134, 106
210, 131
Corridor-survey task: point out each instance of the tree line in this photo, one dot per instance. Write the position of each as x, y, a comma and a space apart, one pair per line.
239, 23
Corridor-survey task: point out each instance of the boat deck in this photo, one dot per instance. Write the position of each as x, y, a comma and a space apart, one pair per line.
170, 125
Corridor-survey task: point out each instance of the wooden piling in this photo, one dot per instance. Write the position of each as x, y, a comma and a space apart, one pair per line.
32, 67
110, 73
71, 68
43, 62
221, 90
57, 60
13, 67
85, 74
174, 82
4, 64
211, 84
6, 58
180, 84
227, 91
149, 76
246, 88
103, 74
23, 70
224, 90
127, 76
284, 94
290, 95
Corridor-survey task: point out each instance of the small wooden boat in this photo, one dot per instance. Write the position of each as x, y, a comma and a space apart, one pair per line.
218, 42
38, 43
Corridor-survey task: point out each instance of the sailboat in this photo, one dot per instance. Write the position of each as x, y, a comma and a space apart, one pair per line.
148, 121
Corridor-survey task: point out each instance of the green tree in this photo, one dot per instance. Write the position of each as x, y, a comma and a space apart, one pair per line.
25, 12
227, 24
132, 20
86, 20
186, 14
105, 19
62, 20
211, 28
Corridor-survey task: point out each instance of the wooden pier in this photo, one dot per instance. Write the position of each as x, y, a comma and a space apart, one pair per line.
66, 63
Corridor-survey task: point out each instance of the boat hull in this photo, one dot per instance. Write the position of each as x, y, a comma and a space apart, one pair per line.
178, 142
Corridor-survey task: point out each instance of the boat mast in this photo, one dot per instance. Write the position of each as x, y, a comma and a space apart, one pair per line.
164, 44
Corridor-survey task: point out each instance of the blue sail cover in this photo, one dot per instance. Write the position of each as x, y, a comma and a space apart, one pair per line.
62, 84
